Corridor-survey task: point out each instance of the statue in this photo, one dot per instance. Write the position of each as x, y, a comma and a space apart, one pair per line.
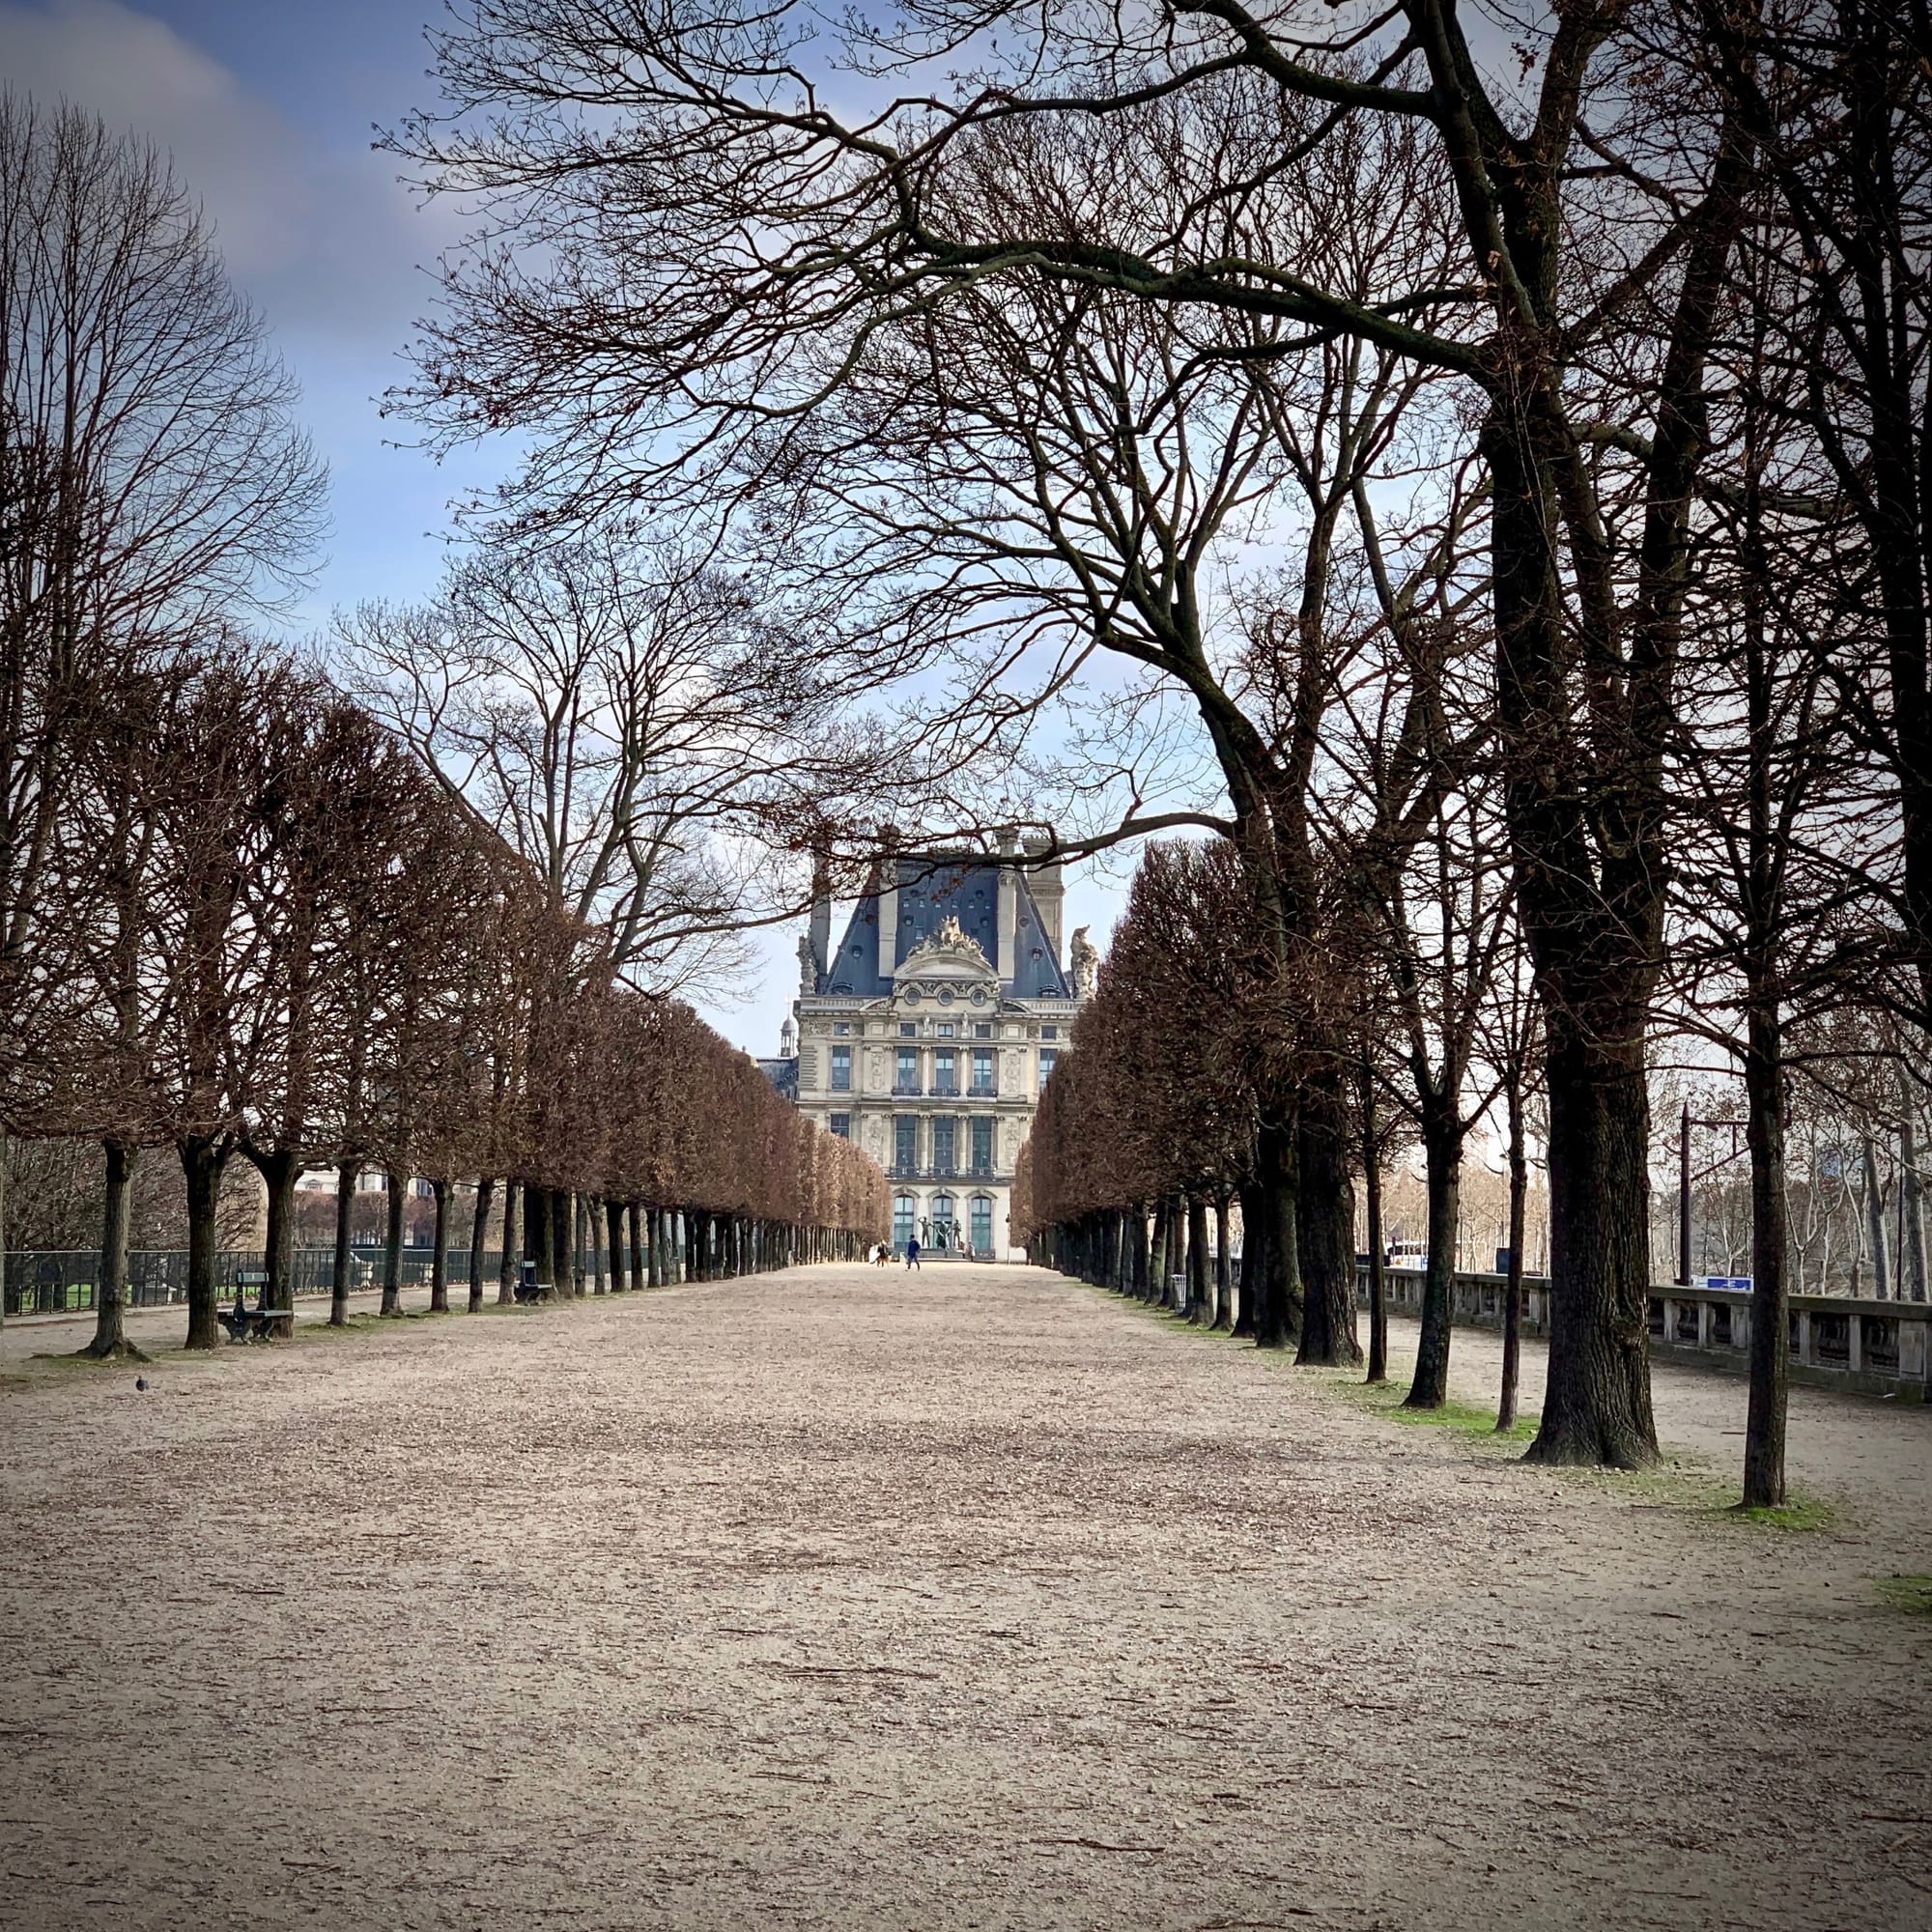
1083, 958
807, 965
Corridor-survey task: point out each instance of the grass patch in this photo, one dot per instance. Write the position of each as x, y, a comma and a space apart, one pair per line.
1794, 1513
1466, 1418
1911, 1594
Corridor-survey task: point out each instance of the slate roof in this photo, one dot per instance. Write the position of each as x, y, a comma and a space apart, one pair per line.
783, 1074
929, 888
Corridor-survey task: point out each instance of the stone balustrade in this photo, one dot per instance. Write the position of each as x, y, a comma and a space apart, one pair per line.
1881, 1348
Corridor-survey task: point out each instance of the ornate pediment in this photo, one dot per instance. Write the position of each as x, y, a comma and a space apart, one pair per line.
945, 960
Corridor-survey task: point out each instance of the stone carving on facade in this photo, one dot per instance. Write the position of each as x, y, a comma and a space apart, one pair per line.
807, 965
1011, 1133
1084, 958
875, 1070
946, 951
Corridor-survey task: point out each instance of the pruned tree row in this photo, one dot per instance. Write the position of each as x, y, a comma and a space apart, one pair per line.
270, 934
241, 915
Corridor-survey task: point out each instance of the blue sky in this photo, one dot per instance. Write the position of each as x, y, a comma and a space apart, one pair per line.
269, 108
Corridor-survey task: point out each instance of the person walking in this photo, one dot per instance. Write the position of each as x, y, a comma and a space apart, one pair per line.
912, 1252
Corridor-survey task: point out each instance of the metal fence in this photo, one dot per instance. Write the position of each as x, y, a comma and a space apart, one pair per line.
64, 1281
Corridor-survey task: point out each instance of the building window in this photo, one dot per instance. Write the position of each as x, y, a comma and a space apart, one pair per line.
942, 1147
842, 1069
841, 1125
1047, 1056
905, 1143
984, 1029
908, 1029
906, 1077
945, 1224
902, 1222
984, 1084
1049, 1033
981, 1234
982, 1145
945, 1028
841, 1027
943, 1080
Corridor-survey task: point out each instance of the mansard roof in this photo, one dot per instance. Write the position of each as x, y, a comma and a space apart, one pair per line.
931, 888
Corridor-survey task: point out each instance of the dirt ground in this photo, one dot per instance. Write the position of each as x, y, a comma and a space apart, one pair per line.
837, 1600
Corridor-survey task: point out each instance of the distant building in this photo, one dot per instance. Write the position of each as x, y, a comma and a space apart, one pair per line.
926, 1034
782, 1072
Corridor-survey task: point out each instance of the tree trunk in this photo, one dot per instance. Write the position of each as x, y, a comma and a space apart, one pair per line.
1142, 1259
592, 1220
1769, 1345
654, 1222
1518, 1170
1875, 1225
344, 1259
1442, 1160
563, 1242
279, 1170
1911, 1214
537, 1246
1597, 1405
479, 1232
1254, 1258
614, 1228
1372, 1185
203, 1157
1199, 1295
111, 1292
1278, 1309
439, 1265
1224, 1268
392, 1246
1325, 1229
509, 1260
1157, 1255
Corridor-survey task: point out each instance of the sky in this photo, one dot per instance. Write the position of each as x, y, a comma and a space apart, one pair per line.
269, 108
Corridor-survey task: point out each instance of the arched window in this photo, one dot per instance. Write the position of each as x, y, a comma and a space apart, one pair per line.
902, 1221
983, 1224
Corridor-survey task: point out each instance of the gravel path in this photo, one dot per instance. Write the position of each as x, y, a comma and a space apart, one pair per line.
832, 1599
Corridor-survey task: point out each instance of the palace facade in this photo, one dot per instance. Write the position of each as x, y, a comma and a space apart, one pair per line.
926, 1034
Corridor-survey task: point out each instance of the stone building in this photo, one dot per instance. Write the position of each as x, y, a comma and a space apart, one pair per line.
926, 1034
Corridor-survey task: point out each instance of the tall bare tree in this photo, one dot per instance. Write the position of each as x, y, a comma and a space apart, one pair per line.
151, 481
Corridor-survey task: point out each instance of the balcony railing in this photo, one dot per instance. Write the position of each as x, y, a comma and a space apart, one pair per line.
905, 1090
945, 1089
983, 1090
942, 1170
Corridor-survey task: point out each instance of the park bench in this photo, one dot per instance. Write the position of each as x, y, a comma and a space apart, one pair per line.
251, 1325
528, 1287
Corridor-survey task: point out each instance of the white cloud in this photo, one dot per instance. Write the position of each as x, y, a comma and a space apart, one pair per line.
235, 152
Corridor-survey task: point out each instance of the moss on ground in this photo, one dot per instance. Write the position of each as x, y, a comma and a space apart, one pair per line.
1794, 1513
1908, 1593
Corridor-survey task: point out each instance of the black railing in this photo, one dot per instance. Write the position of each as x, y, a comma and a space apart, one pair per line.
65, 1281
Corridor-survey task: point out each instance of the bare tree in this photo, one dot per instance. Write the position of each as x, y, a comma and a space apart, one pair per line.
151, 479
